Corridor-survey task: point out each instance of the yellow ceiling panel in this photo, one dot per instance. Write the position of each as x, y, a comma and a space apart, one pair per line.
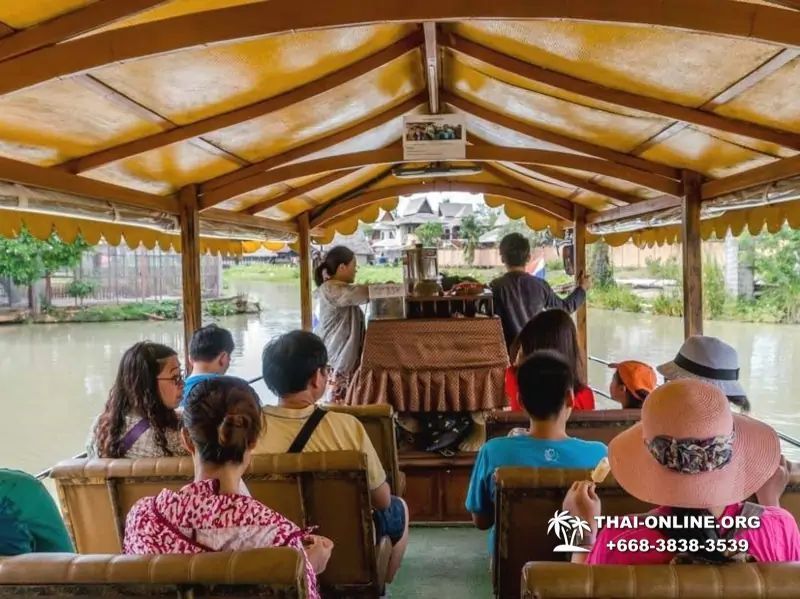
337, 109
289, 209
527, 176
762, 147
63, 119
593, 201
198, 83
253, 197
164, 170
176, 8
637, 59
24, 13
522, 82
589, 124
375, 139
626, 186
705, 154
481, 131
771, 102
347, 183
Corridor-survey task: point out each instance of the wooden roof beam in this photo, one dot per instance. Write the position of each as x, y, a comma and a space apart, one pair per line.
480, 153
558, 139
240, 115
595, 91
245, 21
513, 181
580, 184
641, 209
335, 211
146, 113
231, 183
247, 220
778, 61
298, 191
433, 68
5, 30
762, 175
31, 175
98, 14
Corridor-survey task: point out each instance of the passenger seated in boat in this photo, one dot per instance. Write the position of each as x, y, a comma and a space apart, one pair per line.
295, 368
712, 360
519, 296
139, 418
632, 383
546, 390
693, 457
222, 424
210, 353
554, 330
341, 320
29, 518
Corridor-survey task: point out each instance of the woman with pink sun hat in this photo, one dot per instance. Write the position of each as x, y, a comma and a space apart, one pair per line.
706, 463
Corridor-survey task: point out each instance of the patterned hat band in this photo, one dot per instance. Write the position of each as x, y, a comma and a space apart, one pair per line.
692, 456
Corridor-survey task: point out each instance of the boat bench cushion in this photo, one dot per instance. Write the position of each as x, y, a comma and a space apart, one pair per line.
526, 499
378, 420
550, 580
589, 425
265, 572
325, 489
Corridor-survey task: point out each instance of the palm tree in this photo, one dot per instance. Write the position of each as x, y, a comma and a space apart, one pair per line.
560, 521
470, 231
578, 526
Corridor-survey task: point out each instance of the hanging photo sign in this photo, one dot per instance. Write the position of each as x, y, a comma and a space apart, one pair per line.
434, 137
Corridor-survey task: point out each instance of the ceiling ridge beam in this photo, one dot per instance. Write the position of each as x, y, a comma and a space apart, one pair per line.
63, 27
232, 180
570, 143
246, 21
481, 153
433, 66
622, 98
237, 218
764, 70
374, 196
513, 181
246, 113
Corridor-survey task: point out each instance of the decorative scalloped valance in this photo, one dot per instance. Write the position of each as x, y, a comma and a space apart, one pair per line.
42, 225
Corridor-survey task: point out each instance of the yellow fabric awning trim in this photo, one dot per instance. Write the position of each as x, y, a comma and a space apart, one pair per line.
753, 219
42, 226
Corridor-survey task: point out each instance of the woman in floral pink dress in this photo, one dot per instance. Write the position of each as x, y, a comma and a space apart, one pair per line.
222, 421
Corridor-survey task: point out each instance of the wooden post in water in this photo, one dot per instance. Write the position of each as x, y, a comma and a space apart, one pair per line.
190, 265
579, 241
304, 246
692, 254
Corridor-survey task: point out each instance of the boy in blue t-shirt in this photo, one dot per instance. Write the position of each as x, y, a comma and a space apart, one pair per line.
546, 382
210, 353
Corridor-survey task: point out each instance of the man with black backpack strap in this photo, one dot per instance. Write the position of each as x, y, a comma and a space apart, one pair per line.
295, 368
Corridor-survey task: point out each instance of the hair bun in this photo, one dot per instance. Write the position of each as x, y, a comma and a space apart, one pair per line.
232, 432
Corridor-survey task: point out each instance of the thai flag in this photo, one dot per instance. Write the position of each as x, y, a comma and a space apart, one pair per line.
536, 268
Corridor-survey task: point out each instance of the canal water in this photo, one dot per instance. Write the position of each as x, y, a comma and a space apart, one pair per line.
54, 379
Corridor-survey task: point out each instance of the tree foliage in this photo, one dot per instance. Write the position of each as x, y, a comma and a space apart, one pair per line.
471, 230
429, 233
25, 259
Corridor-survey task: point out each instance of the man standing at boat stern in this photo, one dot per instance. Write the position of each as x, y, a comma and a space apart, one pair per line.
519, 296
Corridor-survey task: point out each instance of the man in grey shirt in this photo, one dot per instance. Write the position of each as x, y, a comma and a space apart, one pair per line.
519, 296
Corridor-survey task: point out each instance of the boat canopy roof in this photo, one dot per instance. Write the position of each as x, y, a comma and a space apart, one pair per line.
274, 108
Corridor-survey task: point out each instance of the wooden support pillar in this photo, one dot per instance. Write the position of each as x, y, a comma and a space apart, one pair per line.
304, 243
579, 242
190, 265
692, 254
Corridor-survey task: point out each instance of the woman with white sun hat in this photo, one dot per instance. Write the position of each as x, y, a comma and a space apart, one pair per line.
711, 360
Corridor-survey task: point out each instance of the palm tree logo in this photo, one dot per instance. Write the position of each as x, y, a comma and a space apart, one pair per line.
562, 523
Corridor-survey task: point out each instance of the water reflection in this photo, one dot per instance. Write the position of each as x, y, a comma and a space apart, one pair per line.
56, 378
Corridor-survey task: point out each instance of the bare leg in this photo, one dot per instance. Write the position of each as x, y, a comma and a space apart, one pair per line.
398, 550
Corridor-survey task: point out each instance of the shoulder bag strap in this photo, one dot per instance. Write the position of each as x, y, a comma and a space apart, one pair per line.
308, 429
133, 435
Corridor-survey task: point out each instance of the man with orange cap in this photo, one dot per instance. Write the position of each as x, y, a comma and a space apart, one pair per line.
633, 381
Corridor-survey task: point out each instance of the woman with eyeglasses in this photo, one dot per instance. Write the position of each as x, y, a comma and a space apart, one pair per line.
139, 419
